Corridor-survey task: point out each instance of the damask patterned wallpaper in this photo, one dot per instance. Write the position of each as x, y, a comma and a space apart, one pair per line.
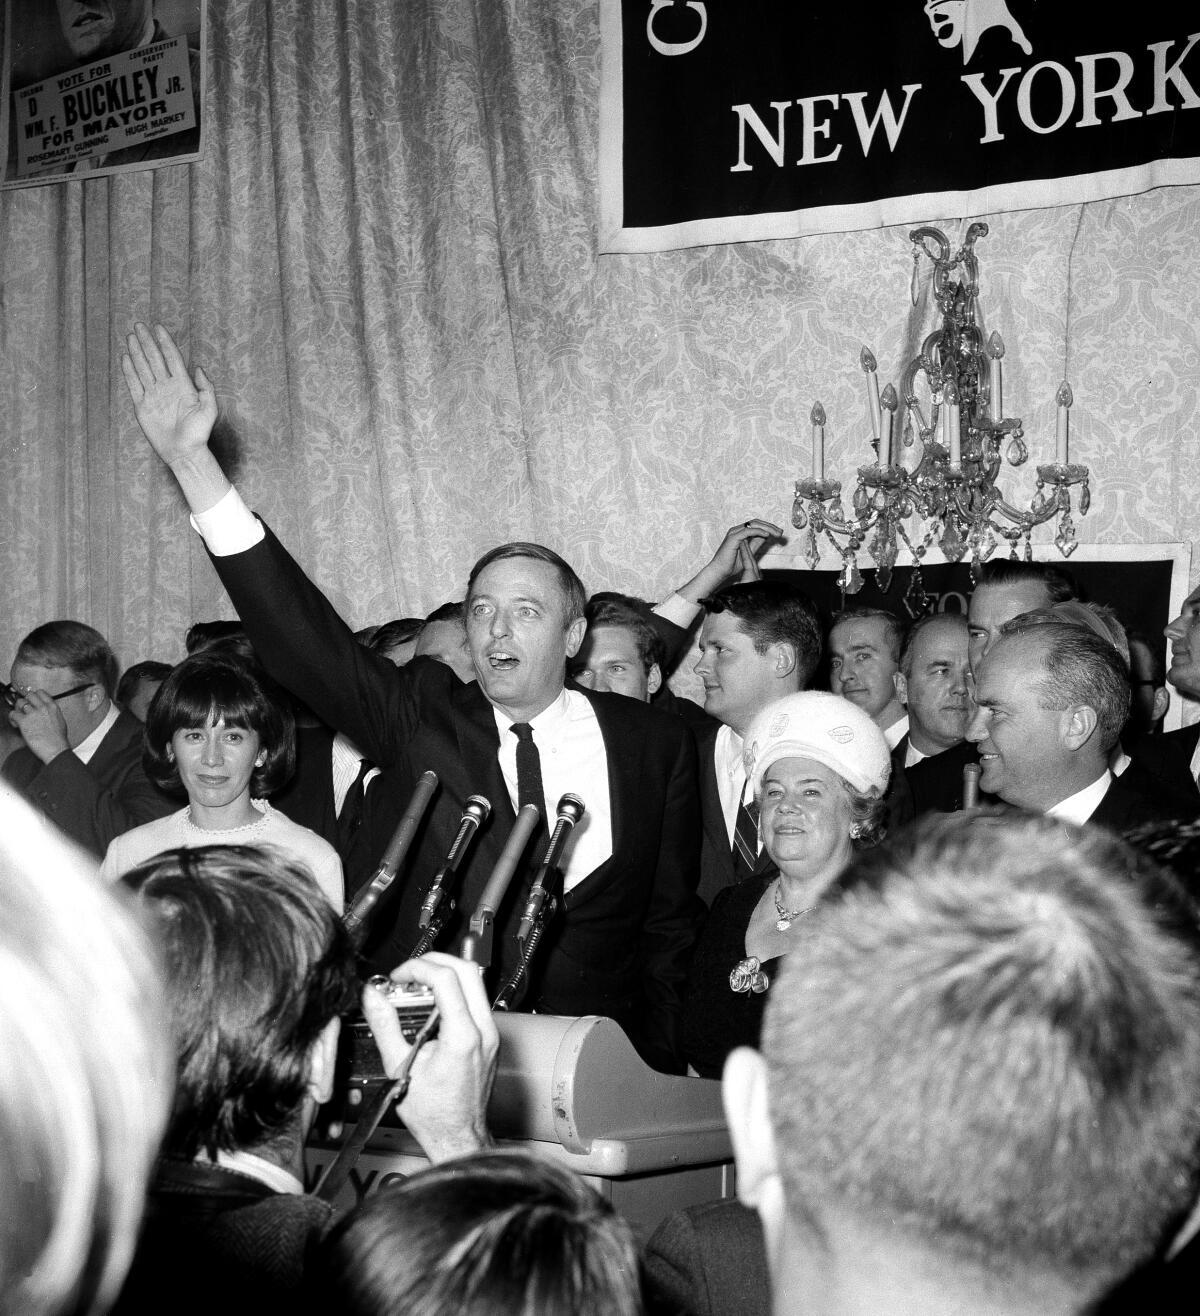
387, 263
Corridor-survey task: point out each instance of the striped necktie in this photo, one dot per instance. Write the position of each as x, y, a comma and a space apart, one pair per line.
745, 840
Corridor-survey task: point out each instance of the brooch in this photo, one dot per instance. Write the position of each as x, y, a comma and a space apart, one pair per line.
746, 976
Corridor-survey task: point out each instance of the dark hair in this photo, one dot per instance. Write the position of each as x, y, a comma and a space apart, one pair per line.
992, 1041
773, 612
503, 1233
73, 645
1058, 582
1078, 667
392, 634
229, 636
632, 615
456, 610
132, 677
215, 686
257, 963
1157, 674
893, 629
573, 593
955, 619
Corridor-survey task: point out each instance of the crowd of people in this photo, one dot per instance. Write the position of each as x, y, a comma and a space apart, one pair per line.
920, 893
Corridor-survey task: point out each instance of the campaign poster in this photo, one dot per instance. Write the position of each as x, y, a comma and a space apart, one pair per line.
725, 121
100, 86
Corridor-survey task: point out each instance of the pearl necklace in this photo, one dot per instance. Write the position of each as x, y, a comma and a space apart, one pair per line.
786, 916
228, 831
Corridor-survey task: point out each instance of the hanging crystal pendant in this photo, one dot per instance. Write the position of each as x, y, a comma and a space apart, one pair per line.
1085, 499
799, 519
1064, 541
1017, 452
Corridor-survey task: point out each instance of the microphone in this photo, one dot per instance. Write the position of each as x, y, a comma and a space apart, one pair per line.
393, 856
475, 811
570, 810
971, 775
477, 944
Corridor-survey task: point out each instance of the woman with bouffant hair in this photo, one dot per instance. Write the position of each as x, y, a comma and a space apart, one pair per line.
218, 732
502, 1233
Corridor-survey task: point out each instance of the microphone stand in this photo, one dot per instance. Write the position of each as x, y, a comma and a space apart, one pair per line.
439, 904
541, 905
360, 909
477, 947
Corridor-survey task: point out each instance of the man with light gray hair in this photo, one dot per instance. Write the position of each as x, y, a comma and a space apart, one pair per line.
979, 1085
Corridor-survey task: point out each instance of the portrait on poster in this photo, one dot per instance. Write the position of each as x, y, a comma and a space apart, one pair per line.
101, 87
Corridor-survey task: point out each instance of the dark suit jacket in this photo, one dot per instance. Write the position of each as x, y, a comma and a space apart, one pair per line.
96, 801
307, 798
899, 793
621, 947
1168, 759
936, 783
709, 1260
716, 856
1124, 807
217, 1241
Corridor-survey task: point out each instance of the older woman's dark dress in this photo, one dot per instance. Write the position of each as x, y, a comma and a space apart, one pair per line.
715, 1017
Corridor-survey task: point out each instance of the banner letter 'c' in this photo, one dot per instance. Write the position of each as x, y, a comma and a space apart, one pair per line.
676, 47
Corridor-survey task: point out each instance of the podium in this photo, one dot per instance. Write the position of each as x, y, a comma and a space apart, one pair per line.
575, 1090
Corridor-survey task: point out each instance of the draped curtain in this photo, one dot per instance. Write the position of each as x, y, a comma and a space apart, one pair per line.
387, 264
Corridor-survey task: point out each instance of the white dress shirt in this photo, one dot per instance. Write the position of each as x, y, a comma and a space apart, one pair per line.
90, 744
1078, 808
571, 748
732, 786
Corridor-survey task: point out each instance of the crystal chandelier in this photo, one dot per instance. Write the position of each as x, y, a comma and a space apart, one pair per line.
950, 484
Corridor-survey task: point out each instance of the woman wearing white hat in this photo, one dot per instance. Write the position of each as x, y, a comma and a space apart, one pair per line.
819, 767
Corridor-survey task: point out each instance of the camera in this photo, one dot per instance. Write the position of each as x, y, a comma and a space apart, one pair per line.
412, 1003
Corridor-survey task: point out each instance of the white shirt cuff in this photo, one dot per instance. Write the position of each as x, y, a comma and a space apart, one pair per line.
229, 526
675, 608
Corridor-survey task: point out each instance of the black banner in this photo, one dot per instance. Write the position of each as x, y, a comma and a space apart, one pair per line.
726, 120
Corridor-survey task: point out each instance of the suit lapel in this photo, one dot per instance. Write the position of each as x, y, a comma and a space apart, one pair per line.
119, 735
624, 752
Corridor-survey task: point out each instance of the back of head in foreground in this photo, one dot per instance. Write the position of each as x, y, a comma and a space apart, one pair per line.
502, 1233
85, 1074
257, 968
984, 1060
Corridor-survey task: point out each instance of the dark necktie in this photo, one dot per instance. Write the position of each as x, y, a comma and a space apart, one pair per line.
745, 841
350, 815
529, 770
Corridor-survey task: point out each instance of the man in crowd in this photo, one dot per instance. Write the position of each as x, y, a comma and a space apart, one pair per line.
81, 762
1005, 590
515, 734
1051, 699
977, 1087
864, 667
444, 637
1175, 755
759, 641
257, 971
621, 650
933, 685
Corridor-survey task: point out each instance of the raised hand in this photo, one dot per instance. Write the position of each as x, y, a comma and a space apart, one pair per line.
734, 553
175, 411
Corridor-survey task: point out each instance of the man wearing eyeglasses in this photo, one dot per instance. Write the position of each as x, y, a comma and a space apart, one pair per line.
81, 761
